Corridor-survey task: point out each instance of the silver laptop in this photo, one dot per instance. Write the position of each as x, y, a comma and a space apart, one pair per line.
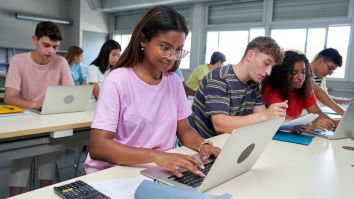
345, 128
65, 99
238, 155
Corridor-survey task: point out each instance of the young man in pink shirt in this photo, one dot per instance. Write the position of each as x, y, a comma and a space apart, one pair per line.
26, 83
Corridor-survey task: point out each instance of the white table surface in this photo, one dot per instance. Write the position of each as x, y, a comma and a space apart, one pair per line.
322, 170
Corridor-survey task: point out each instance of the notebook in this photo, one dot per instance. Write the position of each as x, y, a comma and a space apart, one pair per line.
9, 109
240, 152
293, 138
65, 99
345, 128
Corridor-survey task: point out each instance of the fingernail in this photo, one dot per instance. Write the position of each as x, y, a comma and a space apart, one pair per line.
202, 167
200, 173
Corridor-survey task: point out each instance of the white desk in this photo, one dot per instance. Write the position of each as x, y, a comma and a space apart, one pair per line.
28, 135
285, 170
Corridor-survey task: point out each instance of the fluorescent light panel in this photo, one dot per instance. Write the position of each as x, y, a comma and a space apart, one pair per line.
38, 18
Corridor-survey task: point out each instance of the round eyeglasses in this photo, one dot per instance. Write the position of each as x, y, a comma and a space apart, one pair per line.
167, 51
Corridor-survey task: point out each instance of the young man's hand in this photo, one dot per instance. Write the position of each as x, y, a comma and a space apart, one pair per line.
276, 110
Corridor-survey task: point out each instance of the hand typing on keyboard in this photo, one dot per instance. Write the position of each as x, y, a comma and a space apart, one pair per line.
174, 163
207, 150
191, 179
321, 123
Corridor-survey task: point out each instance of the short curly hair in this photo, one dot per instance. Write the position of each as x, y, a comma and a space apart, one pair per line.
268, 46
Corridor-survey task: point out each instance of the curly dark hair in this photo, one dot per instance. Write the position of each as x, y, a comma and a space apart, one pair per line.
281, 76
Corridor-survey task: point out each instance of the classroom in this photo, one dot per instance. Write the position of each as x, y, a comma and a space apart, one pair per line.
177, 98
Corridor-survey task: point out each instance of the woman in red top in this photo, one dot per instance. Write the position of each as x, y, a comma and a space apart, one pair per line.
291, 81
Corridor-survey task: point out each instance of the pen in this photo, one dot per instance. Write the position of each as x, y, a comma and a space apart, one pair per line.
9, 107
351, 148
330, 113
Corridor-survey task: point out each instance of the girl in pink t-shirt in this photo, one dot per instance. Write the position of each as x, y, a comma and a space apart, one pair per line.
142, 104
291, 81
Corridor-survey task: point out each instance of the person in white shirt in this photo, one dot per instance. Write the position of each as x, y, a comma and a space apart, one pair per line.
101, 66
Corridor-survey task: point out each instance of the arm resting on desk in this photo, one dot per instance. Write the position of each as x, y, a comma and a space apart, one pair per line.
13, 97
96, 89
223, 123
326, 100
193, 140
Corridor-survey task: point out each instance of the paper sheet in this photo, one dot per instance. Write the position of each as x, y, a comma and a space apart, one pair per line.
26, 112
299, 121
119, 188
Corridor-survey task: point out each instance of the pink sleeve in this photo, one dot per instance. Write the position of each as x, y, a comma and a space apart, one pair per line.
13, 77
108, 107
66, 78
183, 108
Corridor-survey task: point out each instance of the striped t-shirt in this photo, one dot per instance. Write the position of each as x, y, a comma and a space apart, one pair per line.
321, 82
221, 92
317, 80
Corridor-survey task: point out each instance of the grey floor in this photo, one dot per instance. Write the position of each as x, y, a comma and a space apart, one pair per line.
66, 167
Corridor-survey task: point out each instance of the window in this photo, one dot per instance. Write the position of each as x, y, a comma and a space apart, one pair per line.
122, 39
290, 38
312, 40
234, 12
185, 62
316, 38
290, 10
338, 38
230, 43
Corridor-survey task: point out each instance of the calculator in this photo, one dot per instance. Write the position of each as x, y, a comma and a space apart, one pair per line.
79, 190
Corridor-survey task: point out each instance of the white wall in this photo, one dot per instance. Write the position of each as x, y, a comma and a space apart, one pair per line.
93, 20
18, 33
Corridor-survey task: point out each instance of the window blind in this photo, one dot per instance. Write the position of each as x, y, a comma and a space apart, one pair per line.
235, 12
285, 10
127, 21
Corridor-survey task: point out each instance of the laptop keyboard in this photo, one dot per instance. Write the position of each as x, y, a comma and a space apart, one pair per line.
192, 179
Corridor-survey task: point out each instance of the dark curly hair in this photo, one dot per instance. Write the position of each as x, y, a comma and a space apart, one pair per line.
281, 76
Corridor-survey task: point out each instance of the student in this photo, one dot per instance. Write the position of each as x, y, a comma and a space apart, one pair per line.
74, 58
26, 83
102, 65
327, 61
291, 81
142, 103
229, 97
217, 60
